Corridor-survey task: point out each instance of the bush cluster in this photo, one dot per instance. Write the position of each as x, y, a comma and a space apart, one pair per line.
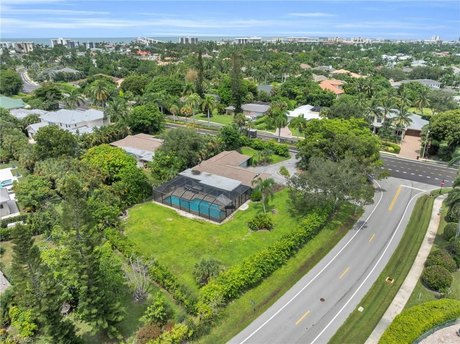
262, 221
441, 258
256, 195
454, 249
450, 229
437, 278
258, 144
390, 147
415, 321
251, 271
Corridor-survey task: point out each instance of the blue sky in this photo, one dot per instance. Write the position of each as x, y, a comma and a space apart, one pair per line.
129, 18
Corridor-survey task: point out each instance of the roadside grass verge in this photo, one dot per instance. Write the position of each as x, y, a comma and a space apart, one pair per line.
240, 313
251, 152
359, 325
221, 119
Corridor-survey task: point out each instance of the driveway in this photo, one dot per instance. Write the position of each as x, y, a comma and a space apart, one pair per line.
274, 169
410, 147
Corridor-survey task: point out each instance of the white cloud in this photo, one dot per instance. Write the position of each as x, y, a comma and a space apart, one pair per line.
388, 25
312, 14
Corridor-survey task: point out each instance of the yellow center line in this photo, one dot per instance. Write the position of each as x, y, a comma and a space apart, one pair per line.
302, 317
372, 237
393, 201
345, 272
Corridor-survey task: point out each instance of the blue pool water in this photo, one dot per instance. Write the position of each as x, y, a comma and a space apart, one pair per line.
198, 206
7, 182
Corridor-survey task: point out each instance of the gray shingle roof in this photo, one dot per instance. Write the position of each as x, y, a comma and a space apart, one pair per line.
72, 116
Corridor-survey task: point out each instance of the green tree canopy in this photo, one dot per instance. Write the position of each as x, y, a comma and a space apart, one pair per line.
10, 82
146, 119
53, 142
135, 84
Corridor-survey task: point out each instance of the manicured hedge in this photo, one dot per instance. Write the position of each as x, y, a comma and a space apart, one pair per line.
235, 281
437, 278
390, 147
442, 258
450, 229
415, 321
258, 144
5, 222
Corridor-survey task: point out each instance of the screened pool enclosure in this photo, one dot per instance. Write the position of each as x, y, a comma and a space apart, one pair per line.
207, 195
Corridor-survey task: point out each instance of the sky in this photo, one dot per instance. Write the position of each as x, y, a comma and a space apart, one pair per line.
390, 19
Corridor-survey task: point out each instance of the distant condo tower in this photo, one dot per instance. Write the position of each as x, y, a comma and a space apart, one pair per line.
68, 43
188, 40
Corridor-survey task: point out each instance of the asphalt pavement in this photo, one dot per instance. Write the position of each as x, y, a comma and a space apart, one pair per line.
317, 305
28, 85
431, 173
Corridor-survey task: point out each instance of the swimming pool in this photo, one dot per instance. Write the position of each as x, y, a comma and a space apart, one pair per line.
6, 182
203, 208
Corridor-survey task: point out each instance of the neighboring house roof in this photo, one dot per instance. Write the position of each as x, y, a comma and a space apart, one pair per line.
318, 78
4, 284
308, 111
72, 116
4, 195
23, 113
34, 127
426, 82
251, 107
142, 146
52, 71
265, 88
226, 164
417, 122
231, 158
11, 103
344, 71
332, 85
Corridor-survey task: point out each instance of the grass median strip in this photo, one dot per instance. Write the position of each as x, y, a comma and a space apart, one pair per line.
360, 325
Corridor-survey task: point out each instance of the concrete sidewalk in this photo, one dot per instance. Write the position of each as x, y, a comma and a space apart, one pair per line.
404, 293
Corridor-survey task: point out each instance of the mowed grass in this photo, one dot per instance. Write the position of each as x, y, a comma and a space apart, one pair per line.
251, 152
359, 325
241, 312
179, 242
221, 119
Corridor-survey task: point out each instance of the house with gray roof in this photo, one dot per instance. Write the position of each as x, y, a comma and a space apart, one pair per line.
75, 121
8, 207
413, 129
250, 110
425, 82
265, 88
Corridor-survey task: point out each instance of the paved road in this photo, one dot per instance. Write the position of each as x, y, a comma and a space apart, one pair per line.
28, 85
424, 172
317, 305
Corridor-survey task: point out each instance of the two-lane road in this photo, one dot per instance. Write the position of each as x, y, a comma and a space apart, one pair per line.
317, 305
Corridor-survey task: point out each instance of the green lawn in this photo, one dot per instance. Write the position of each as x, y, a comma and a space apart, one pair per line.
222, 119
251, 151
179, 243
241, 312
426, 111
360, 325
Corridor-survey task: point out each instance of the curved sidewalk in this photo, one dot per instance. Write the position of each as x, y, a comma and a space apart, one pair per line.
404, 293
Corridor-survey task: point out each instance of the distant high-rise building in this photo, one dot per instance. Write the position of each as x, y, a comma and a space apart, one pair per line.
188, 40
147, 40
68, 43
20, 47
247, 40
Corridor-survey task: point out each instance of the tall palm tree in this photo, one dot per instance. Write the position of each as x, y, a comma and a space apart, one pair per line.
402, 121
208, 104
100, 91
74, 99
186, 110
240, 120
299, 123
278, 116
193, 101
116, 110
188, 89
266, 187
174, 109
422, 100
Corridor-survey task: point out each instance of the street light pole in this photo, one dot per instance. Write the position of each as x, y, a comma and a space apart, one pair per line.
426, 143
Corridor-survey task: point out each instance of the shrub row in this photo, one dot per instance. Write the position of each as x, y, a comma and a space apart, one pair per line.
233, 282
158, 273
450, 230
261, 221
437, 277
442, 258
415, 321
5, 222
258, 144
390, 147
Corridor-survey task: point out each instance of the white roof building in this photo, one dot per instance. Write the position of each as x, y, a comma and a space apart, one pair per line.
307, 111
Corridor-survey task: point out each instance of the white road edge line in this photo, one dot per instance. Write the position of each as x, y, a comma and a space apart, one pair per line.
373, 269
321, 271
411, 187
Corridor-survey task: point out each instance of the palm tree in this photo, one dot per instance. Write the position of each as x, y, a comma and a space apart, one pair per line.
174, 109
422, 100
209, 103
402, 121
278, 116
240, 120
116, 110
74, 99
188, 89
186, 110
266, 187
299, 123
193, 101
100, 91
161, 99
